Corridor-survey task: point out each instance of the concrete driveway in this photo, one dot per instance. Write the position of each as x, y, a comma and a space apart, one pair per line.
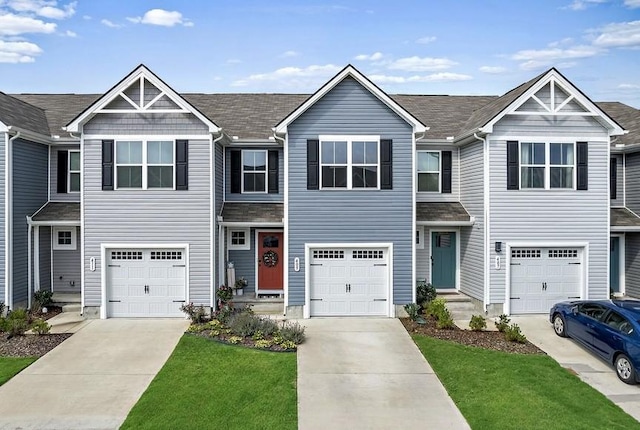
589, 368
368, 374
93, 379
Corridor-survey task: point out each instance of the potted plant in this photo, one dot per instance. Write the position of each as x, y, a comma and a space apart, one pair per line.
239, 286
224, 294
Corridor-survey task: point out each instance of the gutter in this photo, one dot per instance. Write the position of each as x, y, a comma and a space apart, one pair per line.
487, 224
212, 234
8, 218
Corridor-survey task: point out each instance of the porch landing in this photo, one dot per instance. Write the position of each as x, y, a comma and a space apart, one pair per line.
271, 306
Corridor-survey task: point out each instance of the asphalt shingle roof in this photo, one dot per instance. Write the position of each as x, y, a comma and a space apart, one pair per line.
623, 217
58, 211
441, 211
252, 212
628, 117
17, 113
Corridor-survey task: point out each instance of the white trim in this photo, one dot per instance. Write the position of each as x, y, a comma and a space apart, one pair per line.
265, 172
82, 232
51, 264
415, 230
212, 218
351, 71
472, 221
204, 137
232, 224
622, 282
57, 223
417, 172
349, 139
247, 239
541, 138
624, 179
285, 221
547, 164
257, 268
584, 276
36, 259
486, 274
69, 171
62, 247
348, 245
103, 266
446, 230
144, 165
49, 160
3, 128
8, 220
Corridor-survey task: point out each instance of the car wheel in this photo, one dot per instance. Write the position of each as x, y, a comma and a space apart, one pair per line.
625, 370
559, 326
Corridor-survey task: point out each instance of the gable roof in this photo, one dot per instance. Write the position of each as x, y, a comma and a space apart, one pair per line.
127, 81
628, 117
350, 71
17, 113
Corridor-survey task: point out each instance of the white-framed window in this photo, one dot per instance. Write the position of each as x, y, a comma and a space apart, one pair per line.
429, 166
64, 238
73, 172
238, 239
419, 237
254, 171
145, 164
547, 165
350, 162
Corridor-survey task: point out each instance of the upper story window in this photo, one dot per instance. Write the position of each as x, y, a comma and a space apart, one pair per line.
254, 171
349, 162
546, 165
73, 171
144, 164
428, 171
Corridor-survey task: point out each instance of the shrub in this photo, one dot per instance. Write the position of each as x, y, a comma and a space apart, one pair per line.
436, 307
244, 324
413, 310
513, 334
197, 314
268, 327
503, 323
292, 332
425, 293
42, 299
445, 320
234, 340
224, 313
224, 294
40, 327
263, 343
477, 323
17, 322
1, 309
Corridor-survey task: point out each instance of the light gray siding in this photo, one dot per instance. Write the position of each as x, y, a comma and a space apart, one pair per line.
552, 215
330, 216
3, 137
472, 244
633, 181
219, 198
126, 124
632, 264
45, 258
244, 262
619, 200
30, 162
67, 267
53, 178
148, 217
454, 196
254, 197
423, 262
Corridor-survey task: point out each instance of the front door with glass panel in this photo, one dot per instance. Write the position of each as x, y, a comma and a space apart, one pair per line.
270, 262
443, 260
614, 265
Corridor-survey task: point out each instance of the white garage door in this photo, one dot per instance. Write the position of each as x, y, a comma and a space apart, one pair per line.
349, 282
145, 282
541, 277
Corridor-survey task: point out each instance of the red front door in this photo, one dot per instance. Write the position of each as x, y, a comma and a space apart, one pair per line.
270, 260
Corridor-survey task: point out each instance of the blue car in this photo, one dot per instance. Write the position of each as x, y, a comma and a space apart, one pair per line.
609, 328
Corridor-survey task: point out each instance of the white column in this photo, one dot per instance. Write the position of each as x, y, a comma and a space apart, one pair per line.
36, 257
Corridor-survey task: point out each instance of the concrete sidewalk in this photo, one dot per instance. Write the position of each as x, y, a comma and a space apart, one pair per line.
587, 366
368, 374
93, 379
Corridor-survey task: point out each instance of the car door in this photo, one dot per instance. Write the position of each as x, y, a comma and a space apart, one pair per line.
584, 321
610, 334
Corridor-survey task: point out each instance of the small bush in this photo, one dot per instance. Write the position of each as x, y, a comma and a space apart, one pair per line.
436, 307
413, 310
477, 323
224, 313
2, 307
244, 324
445, 320
42, 299
425, 293
263, 343
17, 322
197, 314
513, 334
234, 340
268, 327
224, 294
292, 332
40, 327
503, 323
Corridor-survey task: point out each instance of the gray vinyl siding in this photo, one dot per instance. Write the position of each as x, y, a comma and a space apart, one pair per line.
326, 216
67, 268
552, 215
472, 244
29, 194
218, 172
632, 264
454, 196
149, 216
619, 200
45, 258
254, 197
3, 136
633, 181
244, 262
165, 124
567, 127
53, 178
423, 262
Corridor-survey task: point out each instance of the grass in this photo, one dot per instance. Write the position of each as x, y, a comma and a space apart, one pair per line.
205, 384
497, 390
10, 366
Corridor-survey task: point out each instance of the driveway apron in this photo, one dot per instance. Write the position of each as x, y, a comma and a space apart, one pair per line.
368, 374
93, 379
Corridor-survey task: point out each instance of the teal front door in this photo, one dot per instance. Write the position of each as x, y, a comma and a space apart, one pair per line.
614, 265
443, 259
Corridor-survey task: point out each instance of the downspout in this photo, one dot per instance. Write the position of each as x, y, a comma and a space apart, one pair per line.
486, 211
285, 220
29, 262
8, 218
212, 184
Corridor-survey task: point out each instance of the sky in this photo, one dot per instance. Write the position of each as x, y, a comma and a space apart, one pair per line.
451, 47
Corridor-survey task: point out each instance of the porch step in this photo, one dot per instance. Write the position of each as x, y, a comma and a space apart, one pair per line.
261, 306
72, 307
61, 299
460, 306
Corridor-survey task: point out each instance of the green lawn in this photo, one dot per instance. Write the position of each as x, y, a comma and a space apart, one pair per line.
10, 366
496, 390
205, 384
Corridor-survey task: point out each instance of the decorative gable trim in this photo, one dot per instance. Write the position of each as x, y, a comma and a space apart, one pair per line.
555, 80
141, 103
350, 71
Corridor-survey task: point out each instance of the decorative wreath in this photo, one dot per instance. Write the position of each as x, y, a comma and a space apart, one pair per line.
270, 258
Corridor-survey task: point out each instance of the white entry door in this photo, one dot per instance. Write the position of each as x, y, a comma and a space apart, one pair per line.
349, 282
146, 282
541, 277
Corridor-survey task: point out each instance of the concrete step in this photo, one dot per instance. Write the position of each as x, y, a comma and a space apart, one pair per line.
60, 299
460, 306
72, 307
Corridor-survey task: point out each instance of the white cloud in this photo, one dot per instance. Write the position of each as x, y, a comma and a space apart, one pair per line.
292, 76
161, 17
18, 52
87, 17
289, 54
417, 64
233, 61
45, 8
539, 58
110, 24
629, 86
583, 4
426, 39
494, 70
434, 77
632, 4
70, 33
618, 35
366, 57
14, 25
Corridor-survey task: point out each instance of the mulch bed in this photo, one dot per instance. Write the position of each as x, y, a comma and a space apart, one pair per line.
52, 311
246, 342
30, 345
482, 339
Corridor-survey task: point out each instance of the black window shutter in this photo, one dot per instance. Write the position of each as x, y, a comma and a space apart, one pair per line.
236, 171
63, 160
582, 166
107, 164
613, 178
446, 171
513, 166
273, 172
313, 164
386, 164
182, 164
